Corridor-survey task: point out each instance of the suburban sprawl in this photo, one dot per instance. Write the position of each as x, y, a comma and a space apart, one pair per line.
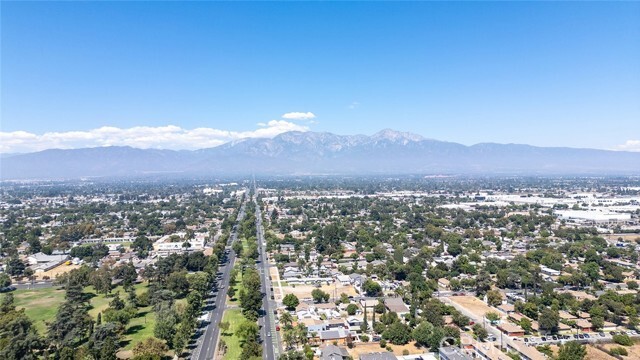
328, 268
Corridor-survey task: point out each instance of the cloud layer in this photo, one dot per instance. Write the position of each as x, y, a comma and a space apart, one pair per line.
299, 116
161, 137
630, 145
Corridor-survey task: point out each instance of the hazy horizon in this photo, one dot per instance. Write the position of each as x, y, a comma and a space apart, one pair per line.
200, 74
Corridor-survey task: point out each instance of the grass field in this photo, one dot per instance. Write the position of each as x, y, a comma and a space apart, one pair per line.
42, 304
236, 298
234, 349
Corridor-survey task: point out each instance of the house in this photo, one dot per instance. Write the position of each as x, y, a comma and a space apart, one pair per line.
40, 258
506, 308
584, 325
338, 335
354, 322
313, 325
452, 353
548, 271
444, 283
511, 329
387, 355
344, 280
332, 352
397, 306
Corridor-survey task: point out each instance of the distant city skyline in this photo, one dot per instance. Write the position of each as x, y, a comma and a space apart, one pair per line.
199, 74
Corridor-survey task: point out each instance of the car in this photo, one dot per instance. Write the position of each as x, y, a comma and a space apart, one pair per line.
634, 332
526, 340
580, 336
629, 332
612, 333
575, 336
269, 334
587, 336
277, 328
554, 338
566, 337
601, 334
544, 338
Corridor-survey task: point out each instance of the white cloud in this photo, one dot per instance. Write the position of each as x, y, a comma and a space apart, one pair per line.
299, 116
161, 137
629, 145
354, 105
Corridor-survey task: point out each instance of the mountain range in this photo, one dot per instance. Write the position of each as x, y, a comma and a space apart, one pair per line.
300, 153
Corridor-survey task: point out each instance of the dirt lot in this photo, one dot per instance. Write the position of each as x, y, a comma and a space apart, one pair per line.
304, 291
55, 271
634, 351
625, 237
472, 304
365, 348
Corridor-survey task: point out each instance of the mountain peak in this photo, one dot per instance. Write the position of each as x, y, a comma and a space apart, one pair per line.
396, 136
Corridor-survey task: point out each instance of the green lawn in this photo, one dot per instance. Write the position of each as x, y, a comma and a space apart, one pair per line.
42, 304
234, 349
236, 298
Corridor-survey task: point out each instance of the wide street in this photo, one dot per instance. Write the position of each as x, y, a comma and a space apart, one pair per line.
268, 333
206, 348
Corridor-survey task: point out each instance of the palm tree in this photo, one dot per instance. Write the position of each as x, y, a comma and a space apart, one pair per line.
301, 333
286, 319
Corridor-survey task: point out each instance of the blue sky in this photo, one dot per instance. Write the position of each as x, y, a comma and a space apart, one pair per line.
549, 74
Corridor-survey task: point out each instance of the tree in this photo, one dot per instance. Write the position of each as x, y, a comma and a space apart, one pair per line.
231, 291
251, 349
15, 267
290, 301
178, 283
352, 309
548, 320
116, 303
150, 349
494, 298
248, 330
319, 296
18, 337
286, 319
422, 333
364, 327
397, 333
492, 316
571, 351
101, 280
5, 280
166, 321
103, 342
142, 245
237, 248
372, 288
480, 332
224, 326
460, 320
526, 325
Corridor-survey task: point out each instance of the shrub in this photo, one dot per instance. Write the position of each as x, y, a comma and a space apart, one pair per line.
364, 338
383, 343
405, 352
623, 339
619, 351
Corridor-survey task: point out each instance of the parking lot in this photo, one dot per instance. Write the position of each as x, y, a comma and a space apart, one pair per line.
584, 337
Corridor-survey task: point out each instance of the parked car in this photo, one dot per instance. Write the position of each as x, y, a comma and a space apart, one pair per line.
601, 334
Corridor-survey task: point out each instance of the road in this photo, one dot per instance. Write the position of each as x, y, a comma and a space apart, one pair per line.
268, 333
206, 348
33, 285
